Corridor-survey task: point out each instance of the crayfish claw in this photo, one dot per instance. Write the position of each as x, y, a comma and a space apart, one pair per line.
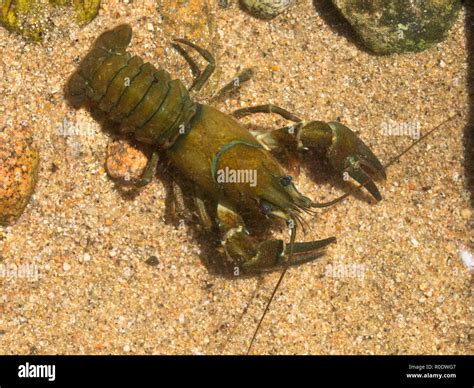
273, 254
345, 151
305, 252
349, 154
364, 179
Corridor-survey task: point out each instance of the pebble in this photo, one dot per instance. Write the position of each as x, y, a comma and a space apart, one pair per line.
125, 162
152, 261
18, 172
266, 9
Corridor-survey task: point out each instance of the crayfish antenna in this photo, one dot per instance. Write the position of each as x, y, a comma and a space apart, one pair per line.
275, 289
397, 157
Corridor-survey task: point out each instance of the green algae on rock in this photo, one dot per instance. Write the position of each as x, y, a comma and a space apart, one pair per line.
18, 173
25, 17
85, 10
395, 26
266, 9
31, 18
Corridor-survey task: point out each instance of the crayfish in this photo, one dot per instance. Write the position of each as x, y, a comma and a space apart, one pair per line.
232, 169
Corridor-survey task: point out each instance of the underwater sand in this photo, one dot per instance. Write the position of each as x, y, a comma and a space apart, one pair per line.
393, 284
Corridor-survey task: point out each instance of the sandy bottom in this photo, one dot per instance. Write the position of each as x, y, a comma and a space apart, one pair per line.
393, 284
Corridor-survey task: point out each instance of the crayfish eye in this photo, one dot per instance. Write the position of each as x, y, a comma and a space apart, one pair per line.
286, 180
266, 208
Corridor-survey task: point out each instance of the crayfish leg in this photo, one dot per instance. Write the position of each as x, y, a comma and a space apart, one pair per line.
201, 77
150, 170
201, 209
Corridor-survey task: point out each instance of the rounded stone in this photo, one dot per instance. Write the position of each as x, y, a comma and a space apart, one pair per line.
266, 9
33, 19
394, 26
125, 162
18, 173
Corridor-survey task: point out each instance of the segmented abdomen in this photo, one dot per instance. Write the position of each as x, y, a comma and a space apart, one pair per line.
141, 99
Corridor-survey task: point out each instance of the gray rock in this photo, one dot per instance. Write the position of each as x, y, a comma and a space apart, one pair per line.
266, 9
394, 26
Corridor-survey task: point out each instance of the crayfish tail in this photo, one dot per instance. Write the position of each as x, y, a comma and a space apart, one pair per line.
115, 40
